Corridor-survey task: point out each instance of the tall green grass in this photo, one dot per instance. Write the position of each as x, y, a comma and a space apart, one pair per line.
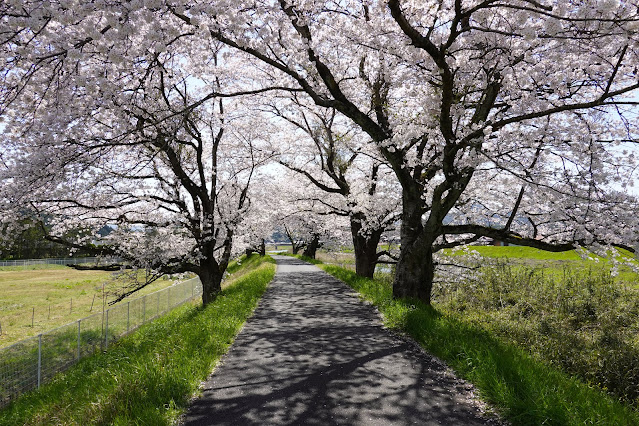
581, 321
148, 377
524, 390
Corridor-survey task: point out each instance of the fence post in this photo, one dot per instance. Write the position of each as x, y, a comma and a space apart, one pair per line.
39, 359
106, 331
128, 315
79, 339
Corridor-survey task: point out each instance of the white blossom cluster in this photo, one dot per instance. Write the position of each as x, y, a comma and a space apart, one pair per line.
510, 119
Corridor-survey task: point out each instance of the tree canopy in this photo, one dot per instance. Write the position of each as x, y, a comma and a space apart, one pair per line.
509, 119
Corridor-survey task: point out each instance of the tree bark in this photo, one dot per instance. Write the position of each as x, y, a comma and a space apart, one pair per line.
365, 248
312, 246
415, 273
211, 279
415, 268
262, 250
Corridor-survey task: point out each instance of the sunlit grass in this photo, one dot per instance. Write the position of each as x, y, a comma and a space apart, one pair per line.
31, 267
556, 264
51, 296
524, 253
148, 377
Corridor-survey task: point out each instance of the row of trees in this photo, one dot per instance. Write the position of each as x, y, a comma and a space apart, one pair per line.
30, 243
453, 120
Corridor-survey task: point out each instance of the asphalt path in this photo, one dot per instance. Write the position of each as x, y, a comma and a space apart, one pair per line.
314, 354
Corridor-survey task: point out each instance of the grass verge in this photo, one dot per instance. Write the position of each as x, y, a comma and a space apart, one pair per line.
148, 377
522, 389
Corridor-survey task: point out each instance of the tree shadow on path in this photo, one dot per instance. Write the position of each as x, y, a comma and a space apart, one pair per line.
314, 354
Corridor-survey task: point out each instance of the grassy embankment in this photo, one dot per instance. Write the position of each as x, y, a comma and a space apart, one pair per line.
53, 295
553, 263
571, 313
557, 264
524, 386
149, 376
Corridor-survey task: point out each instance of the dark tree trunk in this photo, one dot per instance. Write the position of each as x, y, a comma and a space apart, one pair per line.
415, 268
415, 273
211, 279
312, 246
262, 250
365, 247
296, 248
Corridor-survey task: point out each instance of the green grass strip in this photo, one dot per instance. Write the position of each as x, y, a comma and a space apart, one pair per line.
148, 377
523, 390
520, 252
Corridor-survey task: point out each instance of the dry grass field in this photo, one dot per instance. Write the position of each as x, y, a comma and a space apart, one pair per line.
35, 299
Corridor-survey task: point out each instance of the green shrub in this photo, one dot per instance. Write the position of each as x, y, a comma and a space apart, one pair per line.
581, 321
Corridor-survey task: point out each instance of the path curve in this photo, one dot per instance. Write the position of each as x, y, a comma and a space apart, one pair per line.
314, 354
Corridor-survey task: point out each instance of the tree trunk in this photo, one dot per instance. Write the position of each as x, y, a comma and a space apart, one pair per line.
211, 279
415, 268
415, 273
262, 250
312, 246
365, 248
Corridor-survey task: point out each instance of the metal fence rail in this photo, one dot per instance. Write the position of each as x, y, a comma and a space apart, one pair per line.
27, 364
60, 261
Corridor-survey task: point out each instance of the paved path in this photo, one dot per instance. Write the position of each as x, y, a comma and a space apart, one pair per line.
313, 354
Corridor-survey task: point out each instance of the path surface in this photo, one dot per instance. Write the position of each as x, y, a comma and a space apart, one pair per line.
314, 354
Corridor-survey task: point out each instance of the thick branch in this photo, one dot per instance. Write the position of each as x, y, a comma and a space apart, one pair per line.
510, 237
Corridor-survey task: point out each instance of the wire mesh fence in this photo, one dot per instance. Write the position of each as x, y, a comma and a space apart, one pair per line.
60, 261
27, 364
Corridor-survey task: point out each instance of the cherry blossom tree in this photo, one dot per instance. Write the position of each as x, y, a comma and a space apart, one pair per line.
262, 220
459, 95
352, 180
304, 232
306, 215
104, 130
484, 109
173, 192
